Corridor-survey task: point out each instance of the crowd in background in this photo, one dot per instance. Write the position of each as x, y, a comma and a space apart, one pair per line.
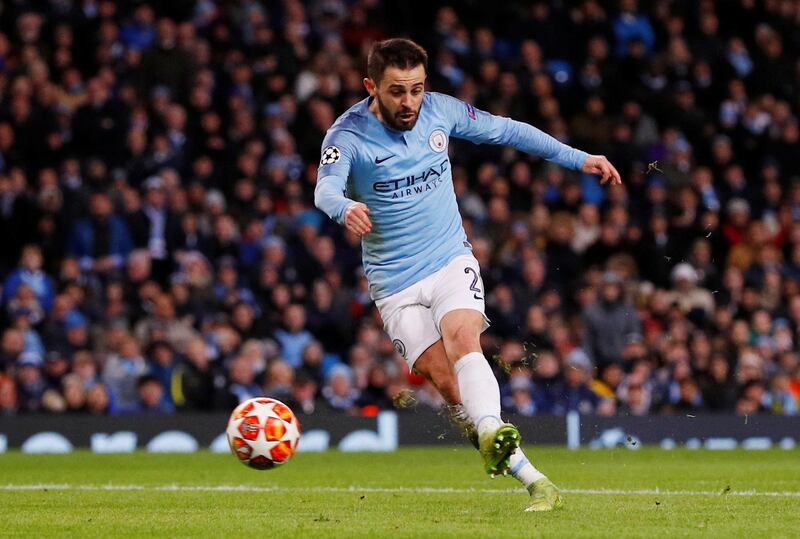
161, 251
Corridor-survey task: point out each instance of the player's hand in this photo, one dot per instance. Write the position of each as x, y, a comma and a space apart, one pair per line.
356, 219
599, 165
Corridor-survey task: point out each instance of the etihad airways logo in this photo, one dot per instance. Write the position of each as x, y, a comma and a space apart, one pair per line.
414, 184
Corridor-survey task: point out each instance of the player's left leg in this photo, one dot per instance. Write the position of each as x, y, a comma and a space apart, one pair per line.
456, 298
480, 394
458, 307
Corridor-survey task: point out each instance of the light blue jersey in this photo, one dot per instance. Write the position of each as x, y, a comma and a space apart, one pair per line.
404, 179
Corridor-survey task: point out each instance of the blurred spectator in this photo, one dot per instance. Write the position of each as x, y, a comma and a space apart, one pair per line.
547, 383
316, 364
632, 29
30, 273
102, 241
294, 338
85, 367
76, 327
194, 378
636, 390
339, 391
688, 295
577, 395
56, 366
30, 383
156, 228
521, 398
151, 397
690, 399
24, 320
11, 346
610, 323
98, 400
162, 364
139, 33
304, 395
718, 386
74, 394
8, 396
162, 323
374, 394
328, 319
780, 399
636, 400
751, 399
121, 373
280, 378
242, 384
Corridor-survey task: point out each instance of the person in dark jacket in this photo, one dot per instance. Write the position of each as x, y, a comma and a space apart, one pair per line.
610, 323
152, 397
18, 215
100, 124
718, 386
167, 64
194, 379
374, 394
156, 228
577, 396
102, 241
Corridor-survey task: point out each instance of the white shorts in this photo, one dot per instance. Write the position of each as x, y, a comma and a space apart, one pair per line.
412, 316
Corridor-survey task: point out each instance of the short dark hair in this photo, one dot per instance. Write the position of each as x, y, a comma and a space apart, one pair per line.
147, 379
396, 52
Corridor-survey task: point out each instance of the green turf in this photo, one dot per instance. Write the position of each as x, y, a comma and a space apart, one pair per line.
311, 496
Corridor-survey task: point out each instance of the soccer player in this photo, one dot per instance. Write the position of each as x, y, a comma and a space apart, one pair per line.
385, 175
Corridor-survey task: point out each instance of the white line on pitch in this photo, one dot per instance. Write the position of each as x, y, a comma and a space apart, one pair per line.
398, 490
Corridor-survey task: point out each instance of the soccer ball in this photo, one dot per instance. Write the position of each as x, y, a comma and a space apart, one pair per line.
263, 433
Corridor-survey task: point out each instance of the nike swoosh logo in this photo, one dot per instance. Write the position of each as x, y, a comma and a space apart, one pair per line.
379, 161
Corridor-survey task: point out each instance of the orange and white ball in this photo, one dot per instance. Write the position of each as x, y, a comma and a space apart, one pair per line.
263, 433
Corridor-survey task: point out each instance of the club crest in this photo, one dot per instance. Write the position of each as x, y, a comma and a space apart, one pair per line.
438, 141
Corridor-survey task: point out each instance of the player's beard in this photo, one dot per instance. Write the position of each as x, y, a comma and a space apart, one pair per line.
393, 119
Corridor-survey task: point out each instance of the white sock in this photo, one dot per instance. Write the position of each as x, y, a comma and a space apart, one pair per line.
522, 469
480, 393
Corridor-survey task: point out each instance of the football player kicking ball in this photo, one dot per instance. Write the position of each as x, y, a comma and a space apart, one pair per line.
385, 175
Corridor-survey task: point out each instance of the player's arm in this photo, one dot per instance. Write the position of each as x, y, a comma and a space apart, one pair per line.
330, 192
481, 127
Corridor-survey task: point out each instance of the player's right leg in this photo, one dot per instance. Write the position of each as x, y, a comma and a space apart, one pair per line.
480, 392
438, 370
434, 366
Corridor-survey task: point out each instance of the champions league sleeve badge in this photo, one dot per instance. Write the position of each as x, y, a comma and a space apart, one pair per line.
471, 111
330, 155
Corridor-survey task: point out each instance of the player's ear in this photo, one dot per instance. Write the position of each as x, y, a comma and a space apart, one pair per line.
370, 85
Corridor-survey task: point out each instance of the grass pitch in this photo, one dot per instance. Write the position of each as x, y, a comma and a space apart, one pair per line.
411, 493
